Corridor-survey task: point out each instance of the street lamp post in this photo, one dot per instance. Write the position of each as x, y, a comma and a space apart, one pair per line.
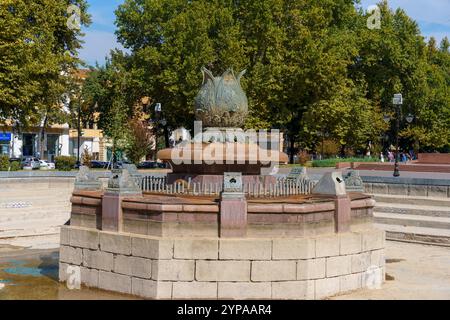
79, 134
158, 111
397, 102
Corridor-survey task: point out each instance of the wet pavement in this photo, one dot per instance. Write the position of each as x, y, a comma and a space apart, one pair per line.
33, 275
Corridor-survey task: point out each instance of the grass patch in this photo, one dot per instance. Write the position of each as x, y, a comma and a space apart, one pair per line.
332, 162
307, 165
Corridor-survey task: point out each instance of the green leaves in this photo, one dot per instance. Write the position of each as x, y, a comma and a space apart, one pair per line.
314, 67
37, 53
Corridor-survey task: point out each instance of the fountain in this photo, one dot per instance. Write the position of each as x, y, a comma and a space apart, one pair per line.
221, 106
221, 225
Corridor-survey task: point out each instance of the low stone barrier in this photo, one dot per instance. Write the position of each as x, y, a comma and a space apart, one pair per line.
216, 268
434, 158
439, 188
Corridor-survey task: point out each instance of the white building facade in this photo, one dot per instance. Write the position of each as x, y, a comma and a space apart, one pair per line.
28, 143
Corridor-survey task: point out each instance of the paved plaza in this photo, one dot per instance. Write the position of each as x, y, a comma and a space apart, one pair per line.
413, 271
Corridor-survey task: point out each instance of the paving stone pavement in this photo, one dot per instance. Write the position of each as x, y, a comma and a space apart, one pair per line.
416, 272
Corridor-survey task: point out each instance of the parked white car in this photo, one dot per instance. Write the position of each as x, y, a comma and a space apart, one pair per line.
30, 163
45, 165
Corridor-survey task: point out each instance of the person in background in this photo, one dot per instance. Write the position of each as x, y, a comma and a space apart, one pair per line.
381, 157
404, 158
390, 156
412, 154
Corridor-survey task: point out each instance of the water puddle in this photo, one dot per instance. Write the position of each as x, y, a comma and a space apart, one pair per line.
35, 277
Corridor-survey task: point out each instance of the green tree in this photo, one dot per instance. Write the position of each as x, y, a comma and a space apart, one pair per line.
139, 141
314, 68
37, 50
170, 41
392, 60
110, 91
431, 129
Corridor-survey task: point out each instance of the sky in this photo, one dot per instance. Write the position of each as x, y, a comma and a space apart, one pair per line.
433, 17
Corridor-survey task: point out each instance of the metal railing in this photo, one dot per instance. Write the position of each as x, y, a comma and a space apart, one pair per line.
282, 188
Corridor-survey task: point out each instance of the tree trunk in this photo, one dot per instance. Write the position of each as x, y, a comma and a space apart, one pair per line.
291, 149
166, 137
342, 151
113, 155
42, 138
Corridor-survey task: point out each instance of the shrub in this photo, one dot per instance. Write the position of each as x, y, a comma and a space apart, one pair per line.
138, 142
329, 148
303, 157
65, 163
15, 166
4, 163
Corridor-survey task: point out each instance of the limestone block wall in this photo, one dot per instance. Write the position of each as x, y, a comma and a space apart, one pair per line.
421, 187
216, 268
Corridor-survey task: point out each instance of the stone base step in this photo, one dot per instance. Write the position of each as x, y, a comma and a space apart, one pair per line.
41, 241
412, 209
416, 234
18, 226
411, 220
416, 200
27, 217
29, 232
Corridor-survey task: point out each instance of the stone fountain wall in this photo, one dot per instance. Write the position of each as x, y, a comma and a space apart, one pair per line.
170, 248
212, 268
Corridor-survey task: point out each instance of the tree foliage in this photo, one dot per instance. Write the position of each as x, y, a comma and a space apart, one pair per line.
37, 52
139, 141
314, 68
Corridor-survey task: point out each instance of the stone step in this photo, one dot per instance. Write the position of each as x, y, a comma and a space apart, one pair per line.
41, 241
13, 206
33, 215
416, 234
412, 209
422, 201
33, 232
44, 199
33, 224
25, 207
411, 220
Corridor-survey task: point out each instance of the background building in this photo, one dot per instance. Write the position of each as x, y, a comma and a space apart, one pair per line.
16, 143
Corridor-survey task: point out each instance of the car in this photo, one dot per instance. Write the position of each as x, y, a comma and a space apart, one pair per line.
97, 164
119, 164
30, 163
147, 165
162, 165
152, 165
46, 165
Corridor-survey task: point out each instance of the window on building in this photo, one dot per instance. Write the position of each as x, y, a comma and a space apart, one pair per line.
29, 145
52, 147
